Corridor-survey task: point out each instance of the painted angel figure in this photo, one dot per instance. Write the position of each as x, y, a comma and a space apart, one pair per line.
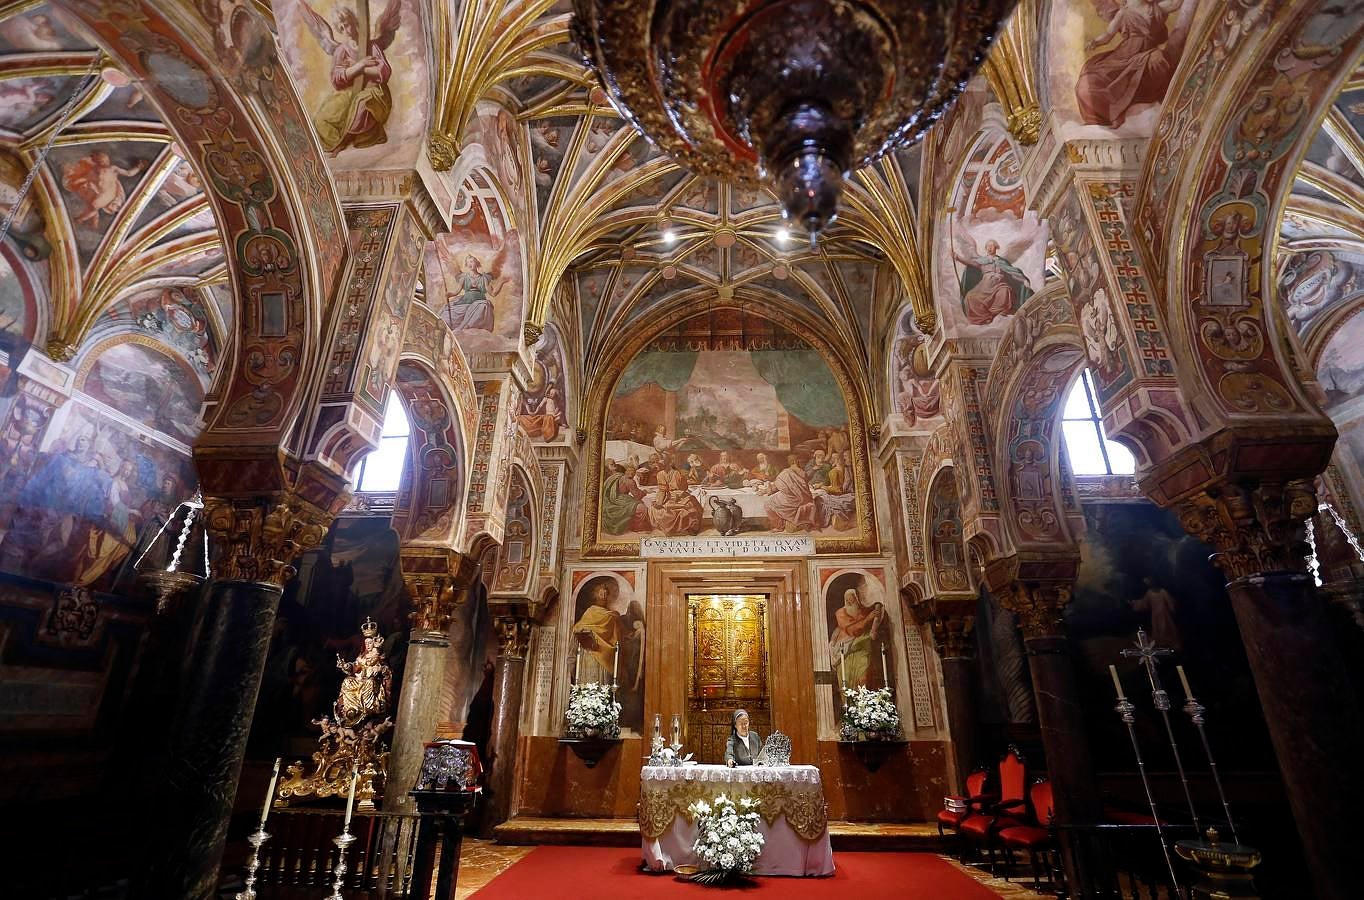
95, 179
354, 116
991, 286
469, 299
1136, 67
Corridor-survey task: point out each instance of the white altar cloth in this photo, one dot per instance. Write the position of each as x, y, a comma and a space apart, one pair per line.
665, 791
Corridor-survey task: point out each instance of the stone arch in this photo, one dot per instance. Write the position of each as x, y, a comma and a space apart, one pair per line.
1218, 174
266, 182
1036, 508
430, 505
948, 566
690, 304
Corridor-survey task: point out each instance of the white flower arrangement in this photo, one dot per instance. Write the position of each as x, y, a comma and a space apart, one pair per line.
592, 710
727, 837
871, 711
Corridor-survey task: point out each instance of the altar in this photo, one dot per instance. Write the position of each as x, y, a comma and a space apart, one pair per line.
791, 805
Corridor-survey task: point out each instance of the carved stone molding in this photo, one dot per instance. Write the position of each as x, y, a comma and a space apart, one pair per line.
437, 580
513, 635
952, 617
1035, 588
1255, 529
257, 539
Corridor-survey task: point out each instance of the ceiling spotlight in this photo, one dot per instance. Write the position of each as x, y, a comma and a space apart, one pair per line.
669, 236
783, 235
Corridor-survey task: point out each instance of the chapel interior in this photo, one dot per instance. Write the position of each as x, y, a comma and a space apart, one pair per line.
383, 383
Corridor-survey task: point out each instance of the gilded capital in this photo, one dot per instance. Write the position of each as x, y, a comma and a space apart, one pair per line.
532, 333
258, 538
513, 635
952, 619
1254, 529
926, 322
60, 350
437, 580
442, 151
1025, 124
1038, 605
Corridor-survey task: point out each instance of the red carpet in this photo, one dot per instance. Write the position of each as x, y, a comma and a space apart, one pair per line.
607, 873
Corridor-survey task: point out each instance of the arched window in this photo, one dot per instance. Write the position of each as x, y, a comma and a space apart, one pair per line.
382, 469
1091, 452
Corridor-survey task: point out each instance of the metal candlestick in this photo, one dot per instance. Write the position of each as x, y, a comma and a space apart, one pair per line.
342, 842
1195, 710
255, 840
1147, 652
1125, 709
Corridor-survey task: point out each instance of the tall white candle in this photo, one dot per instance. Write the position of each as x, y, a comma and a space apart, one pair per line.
350, 801
885, 672
842, 671
269, 795
615, 665
1113, 670
1183, 679
578, 665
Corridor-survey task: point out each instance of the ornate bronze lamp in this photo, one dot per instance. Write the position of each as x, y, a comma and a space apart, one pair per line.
794, 94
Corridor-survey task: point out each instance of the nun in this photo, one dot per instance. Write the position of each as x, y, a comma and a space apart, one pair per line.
744, 743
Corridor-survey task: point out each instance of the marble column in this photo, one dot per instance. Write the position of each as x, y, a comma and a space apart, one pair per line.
513, 636
953, 621
1038, 605
254, 543
436, 592
1308, 693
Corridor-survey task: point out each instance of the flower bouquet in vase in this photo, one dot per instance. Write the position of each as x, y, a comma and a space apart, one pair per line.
592, 712
870, 715
727, 838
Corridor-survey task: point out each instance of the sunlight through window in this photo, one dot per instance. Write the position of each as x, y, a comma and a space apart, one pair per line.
382, 469
1091, 453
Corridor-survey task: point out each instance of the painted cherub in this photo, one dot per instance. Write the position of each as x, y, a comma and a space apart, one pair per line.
95, 180
355, 115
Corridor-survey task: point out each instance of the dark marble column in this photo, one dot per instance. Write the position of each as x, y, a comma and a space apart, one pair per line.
209, 739
255, 541
952, 619
1038, 605
513, 636
1309, 694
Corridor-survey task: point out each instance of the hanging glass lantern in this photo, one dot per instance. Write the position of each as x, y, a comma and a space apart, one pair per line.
176, 558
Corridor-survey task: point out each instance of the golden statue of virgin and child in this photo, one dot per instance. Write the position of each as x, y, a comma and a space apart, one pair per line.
350, 740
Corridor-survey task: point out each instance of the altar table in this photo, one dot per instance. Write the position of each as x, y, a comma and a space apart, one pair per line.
794, 824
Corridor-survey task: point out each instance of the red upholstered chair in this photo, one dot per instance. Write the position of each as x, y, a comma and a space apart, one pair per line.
982, 829
1035, 836
956, 809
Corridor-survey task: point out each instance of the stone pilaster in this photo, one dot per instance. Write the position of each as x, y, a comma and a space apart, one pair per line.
512, 626
952, 619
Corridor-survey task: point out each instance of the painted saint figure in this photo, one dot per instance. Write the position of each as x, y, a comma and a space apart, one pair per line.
355, 115
602, 631
991, 286
472, 307
792, 506
856, 639
1137, 66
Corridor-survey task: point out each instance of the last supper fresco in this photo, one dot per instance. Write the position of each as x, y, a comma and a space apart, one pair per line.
729, 424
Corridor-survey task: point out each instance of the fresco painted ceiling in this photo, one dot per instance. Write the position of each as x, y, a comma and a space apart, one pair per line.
624, 230
114, 210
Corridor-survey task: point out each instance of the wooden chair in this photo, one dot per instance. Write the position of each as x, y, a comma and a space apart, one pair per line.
982, 830
1036, 836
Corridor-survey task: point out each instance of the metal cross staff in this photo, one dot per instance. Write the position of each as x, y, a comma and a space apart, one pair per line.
1147, 652
1126, 710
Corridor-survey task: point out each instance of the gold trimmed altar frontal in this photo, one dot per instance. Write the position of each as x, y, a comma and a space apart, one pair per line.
801, 802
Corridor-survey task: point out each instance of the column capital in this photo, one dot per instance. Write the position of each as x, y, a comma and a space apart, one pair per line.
1034, 587
952, 618
513, 634
1255, 528
257, 538
438, 581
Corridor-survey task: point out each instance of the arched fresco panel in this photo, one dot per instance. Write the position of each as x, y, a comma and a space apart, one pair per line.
543, 411
515, 560
138, 377
947, 565
915, 394
431, 495
728, 423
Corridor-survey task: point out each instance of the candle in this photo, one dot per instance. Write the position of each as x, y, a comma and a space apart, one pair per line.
269, 795
885, 672
1184, 680
578, 665
677, 730
350, 801
658, 725
842, 671
615, 665
1113, 670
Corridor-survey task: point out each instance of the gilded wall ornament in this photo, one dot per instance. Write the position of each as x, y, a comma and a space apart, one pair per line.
257, 539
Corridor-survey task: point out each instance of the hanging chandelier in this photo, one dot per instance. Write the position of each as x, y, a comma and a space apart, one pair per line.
790, 94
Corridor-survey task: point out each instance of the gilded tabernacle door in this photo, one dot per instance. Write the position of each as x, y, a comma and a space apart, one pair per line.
726, 669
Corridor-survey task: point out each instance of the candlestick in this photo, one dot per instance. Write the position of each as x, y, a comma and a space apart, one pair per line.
350, 801
1113, 670
677, 731
1184, 680
269, 795
615, 665
885, 672
843, 671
